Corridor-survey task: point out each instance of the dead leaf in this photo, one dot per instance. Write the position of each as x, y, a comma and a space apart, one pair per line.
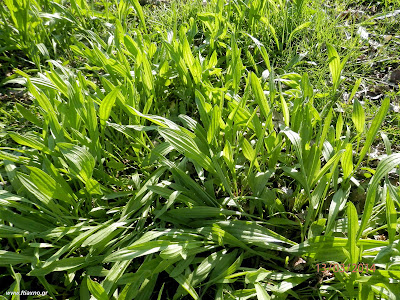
298, 264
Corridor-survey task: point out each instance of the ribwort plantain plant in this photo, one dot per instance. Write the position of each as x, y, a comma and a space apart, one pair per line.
176, 164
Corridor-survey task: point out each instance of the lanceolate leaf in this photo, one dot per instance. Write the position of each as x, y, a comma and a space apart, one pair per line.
30, 140
259, 95
297, 29
358, 116
337, 201
334, 65
12, 258
185, 144
139, 11
261, 292
347, 161
386, 165
352, 228
106, 106
96, 290
391, 217
373, 130
81, 161
49, 186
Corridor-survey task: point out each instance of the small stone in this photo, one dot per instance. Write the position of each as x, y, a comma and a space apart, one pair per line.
395, 108
387, 37
395, 76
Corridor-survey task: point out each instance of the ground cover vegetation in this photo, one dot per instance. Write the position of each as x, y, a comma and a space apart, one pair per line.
199, 150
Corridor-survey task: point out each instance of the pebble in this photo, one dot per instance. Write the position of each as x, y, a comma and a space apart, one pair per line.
395, 76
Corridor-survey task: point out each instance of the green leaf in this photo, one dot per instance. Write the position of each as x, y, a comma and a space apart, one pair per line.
388, 145
358, 116
116, 272
147, 78
202, 212
81, 161
285, 110
327, 124
49, 186
273, 32
354, 90
104, 234
31, 140
27, 114
352, 228
253, 233
190, 60
259, 95
317, 194
14, 158
373, 130
385, 165
334, 65
295, 139
139, 11
339, 127
296, 175
337, 201
12, 258
347, 161
248, 151
69, 263
185, 283
106, 106
37, 191
332, 162
391, 217
297, 29
47, 106
96, 290
213, 130
186, 145
261, 292
326, 248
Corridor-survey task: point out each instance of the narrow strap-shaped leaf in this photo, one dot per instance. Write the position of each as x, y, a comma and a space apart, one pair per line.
49, 186
347, 161
358, 116
96, 290
12, 258
337, 201
106, 106
31, 140
261, 292
373, 130
295, 139
352, 228
186, 145
391, 217
139, 11
386, 165
259, 95
334, 65
297, 29
27, 114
